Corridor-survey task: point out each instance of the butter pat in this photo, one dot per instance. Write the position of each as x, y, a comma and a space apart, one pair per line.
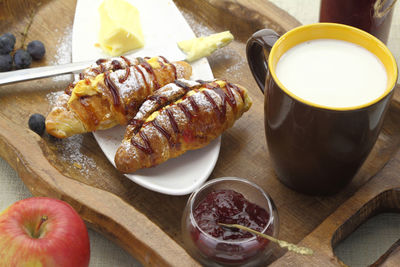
204, 46
120, 29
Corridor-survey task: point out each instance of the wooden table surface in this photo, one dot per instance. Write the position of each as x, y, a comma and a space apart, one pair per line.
121, 258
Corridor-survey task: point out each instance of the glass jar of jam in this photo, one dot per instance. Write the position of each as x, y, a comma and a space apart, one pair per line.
229, 200
373, 16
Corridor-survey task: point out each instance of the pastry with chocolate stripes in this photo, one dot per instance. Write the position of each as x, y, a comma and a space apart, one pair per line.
110, 93
181, 116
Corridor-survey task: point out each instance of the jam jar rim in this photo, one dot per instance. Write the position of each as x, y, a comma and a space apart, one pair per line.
236, 179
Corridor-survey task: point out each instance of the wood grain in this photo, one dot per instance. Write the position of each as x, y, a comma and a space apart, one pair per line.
379, 195
145, 223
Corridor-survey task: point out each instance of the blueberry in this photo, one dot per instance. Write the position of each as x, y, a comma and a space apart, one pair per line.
36, 49
11, 36
37, 123
7, 42
5, 62
22, 59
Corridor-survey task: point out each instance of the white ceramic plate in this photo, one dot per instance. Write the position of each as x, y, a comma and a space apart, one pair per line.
163, 26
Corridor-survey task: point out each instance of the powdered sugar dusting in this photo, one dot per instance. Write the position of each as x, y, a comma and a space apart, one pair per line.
52, 97
167, 93
148, 79
199, 28
131, 85
226, 55
70, 151
107, 64
180, 70
63, 53
232, 61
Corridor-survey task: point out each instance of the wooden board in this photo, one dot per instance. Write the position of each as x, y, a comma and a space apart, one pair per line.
143, 222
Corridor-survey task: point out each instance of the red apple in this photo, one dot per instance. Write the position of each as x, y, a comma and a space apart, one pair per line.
42, 231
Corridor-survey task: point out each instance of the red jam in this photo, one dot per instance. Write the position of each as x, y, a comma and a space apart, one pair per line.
227, 206
229, 245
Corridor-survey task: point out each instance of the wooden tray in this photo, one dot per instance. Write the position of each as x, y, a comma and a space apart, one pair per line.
145, 223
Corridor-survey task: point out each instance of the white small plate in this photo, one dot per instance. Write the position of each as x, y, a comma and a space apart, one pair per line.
163, 26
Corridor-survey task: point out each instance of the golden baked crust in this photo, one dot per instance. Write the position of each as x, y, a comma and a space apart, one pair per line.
191, 116
103, 65
112, 97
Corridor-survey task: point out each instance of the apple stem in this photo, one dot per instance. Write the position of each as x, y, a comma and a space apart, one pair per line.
42, 220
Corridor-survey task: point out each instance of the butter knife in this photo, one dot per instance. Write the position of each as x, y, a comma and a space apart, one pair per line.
42, 72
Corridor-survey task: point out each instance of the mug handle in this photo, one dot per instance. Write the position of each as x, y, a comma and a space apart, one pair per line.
257, 60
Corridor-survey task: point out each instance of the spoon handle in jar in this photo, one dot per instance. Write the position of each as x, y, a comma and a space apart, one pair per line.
281, 243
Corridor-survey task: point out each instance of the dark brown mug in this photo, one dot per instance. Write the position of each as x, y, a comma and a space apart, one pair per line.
316, 149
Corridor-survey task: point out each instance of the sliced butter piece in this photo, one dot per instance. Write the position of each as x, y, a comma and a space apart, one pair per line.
120, 29
204, 46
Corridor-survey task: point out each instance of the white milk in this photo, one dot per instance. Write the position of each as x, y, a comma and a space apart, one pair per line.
332, 73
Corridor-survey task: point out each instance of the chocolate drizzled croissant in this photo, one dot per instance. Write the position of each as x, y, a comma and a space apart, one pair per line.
181, 116
103, 65
111, 97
